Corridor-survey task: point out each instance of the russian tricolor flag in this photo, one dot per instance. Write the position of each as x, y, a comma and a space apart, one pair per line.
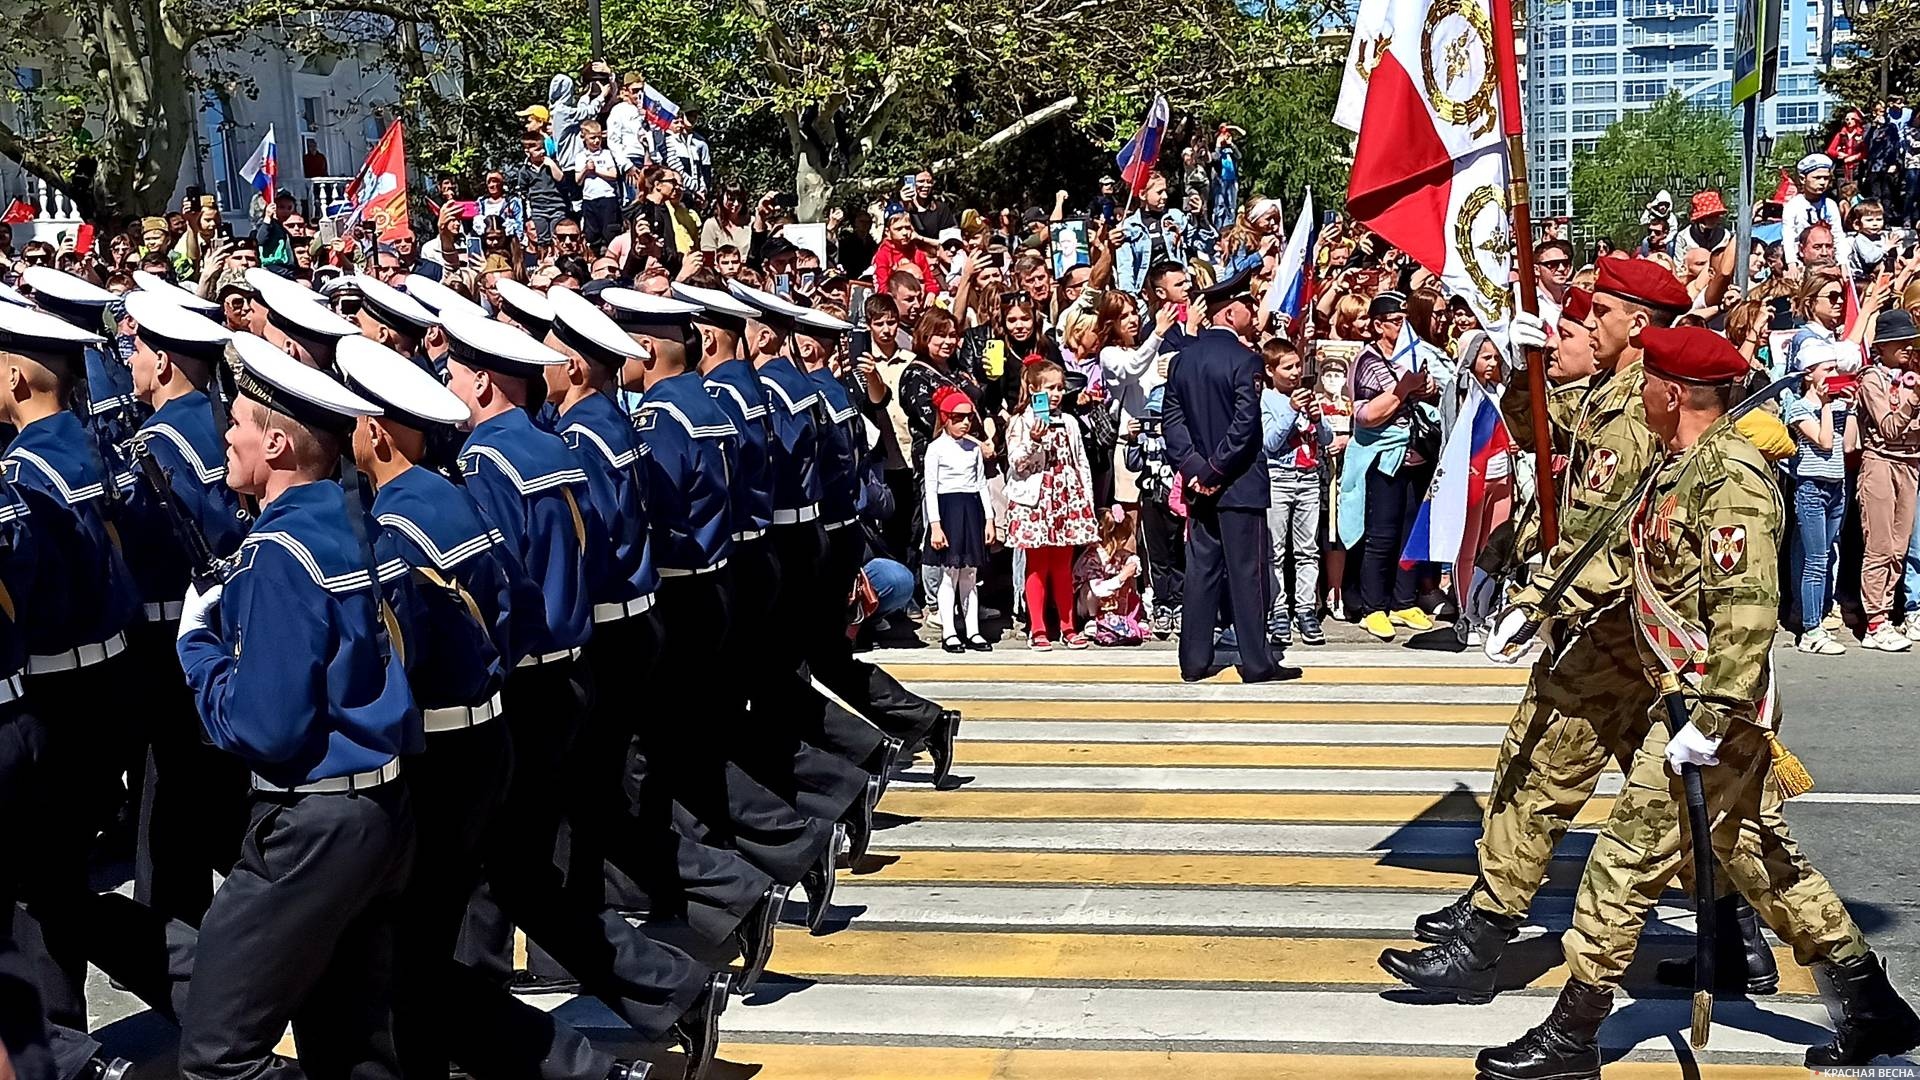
660, 109
1292, 287
1459, 481
1138, 157
262, 170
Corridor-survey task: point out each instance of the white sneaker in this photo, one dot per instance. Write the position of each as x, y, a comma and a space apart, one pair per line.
1820, 643
1475, 638
1885, 638
1913, 626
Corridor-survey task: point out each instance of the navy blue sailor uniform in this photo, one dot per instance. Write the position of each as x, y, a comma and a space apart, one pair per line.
736, 386
1212, 418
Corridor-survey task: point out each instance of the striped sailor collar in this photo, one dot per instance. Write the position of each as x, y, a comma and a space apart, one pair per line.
56, 447
436, 516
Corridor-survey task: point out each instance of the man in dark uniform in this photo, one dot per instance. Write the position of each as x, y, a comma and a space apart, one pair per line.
1213, 434
298, 321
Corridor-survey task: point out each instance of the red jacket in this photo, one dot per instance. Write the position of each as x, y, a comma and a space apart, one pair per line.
889, 257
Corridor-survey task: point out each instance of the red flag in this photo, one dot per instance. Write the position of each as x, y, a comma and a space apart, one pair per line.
1851, 307
19, 212
1787, 189
379, 193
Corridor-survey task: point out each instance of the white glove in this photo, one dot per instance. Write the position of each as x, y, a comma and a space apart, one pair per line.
196, 610
1528, 330
1690, 747
1500, 646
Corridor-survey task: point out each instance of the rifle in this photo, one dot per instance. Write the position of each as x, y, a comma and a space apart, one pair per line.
204, 568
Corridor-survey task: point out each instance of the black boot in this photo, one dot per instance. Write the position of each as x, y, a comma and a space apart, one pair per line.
1461, 968
940, 745
630, 1070
756, 937
698, 1031
818, 880
1565, 1047
100, 1068
885, 759
1742, 962
1870, 1019
1444, 925
860, 827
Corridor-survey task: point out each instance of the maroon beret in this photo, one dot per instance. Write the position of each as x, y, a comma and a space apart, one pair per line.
1578, 306
1692, 354
1643, 281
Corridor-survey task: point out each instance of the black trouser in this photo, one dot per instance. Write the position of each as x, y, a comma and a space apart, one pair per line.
302, 930
193, 797
1163, 535
1392, 504
600, 220
1226, 560
897, 531
456, 788
874, 693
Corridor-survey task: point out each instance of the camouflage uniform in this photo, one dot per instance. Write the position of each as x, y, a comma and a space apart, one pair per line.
1588, 696
1564, 401
1711, 528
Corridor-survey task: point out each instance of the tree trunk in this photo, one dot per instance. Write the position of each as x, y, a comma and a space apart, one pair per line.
813, 181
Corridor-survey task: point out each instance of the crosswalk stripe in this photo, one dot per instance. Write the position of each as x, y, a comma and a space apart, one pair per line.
1313, 676
1369, 695
1458, 805
1122, 868
1346, 757
1399, 736
1118, 778
1398, 840
1245, 712
1070, 957
796, 1061
1168, 665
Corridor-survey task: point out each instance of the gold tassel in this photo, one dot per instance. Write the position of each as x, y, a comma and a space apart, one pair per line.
1792, 776
1702, 1018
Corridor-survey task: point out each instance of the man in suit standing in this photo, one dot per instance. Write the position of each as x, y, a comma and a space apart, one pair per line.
1212, 414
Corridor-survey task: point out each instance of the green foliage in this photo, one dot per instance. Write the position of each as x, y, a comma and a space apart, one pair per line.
1664, 147
1886, 43
1291, 141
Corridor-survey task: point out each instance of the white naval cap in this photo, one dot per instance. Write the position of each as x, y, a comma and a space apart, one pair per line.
273, 287
174, 294
388, 305
41, 336
525, 306
168, 327
74, 299
299, 311
438, 297
816, 323
404, 391
285, 385
11, 295
492, 345
720, 308
586, 328
765, 304
644, 312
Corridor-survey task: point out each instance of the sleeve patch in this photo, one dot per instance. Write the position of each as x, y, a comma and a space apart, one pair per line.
1600, 470
1727, 548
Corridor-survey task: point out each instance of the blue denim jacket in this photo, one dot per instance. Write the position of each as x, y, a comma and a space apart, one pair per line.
1136, 248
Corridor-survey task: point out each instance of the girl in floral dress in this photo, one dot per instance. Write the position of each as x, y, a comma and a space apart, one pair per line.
1049, 500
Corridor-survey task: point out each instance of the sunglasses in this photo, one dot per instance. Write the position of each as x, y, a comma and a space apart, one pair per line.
1556, 264
960, 416
1020, 297
1833, 297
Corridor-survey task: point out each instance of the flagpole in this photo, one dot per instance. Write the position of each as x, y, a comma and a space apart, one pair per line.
1520, 208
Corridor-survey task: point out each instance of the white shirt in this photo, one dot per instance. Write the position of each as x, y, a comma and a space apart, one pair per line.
1132, 374
1798, 215
954, 467
626, 132
596, 187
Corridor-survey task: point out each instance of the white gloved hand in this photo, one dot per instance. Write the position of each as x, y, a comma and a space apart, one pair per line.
1501, 647
196, 609
1690, 747
1528, 330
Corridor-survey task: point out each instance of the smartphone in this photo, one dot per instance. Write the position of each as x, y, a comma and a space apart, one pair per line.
328, 232
468, 208
859, 343
1043, 406
83, 238
857, 304
1842, 384
223, 230
1180, 313
1329, 217
783, 284
994, 358
807, 278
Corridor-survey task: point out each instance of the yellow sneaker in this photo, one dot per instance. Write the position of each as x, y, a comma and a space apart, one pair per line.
1413, 619
1378, 625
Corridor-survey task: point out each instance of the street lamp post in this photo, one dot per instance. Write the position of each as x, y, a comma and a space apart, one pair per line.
593, 21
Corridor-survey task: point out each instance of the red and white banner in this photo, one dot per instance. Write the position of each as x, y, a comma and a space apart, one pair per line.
379, 193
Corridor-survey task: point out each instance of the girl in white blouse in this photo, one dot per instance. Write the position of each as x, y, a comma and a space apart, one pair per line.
959, 518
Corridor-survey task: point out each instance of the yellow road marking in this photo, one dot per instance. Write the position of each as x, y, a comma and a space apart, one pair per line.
1131, 868
1196, 806
1261, 712
1020, 957
1209, 754
1410, 677
782, 1061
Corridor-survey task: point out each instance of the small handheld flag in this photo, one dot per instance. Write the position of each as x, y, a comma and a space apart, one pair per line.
262, 170
1142, 152
660, 109
1288, 294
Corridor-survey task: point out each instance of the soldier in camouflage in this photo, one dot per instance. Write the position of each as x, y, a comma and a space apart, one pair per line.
1704, 602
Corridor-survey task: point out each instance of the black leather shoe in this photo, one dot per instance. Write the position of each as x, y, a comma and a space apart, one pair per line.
526, 982
698, 1031
1565, 1047
1462, 968
629, 1070
756, 937
1870, 1019
860, 829
819, 880
953, 645
1742, 962
1444, 925
99, 1068
885, 759
940, 744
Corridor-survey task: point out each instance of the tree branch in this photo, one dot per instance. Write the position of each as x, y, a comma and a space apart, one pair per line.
986, 146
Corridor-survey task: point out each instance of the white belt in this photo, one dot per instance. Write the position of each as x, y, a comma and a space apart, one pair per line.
84, 656
797, 517
839, 524
605, 613
457, 717
164, 612
745, 535
548, 658
674, 571
335, 785
11, 688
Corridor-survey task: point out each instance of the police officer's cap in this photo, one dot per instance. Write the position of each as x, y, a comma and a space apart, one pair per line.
492, 345
169, 328
586, 328
59, 293
438, 298
42, 337
767, 307
721, 309
1390, 302
166, 290
1228, 289
404, 391
270, 377
644, 313
525, 306
389, 306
